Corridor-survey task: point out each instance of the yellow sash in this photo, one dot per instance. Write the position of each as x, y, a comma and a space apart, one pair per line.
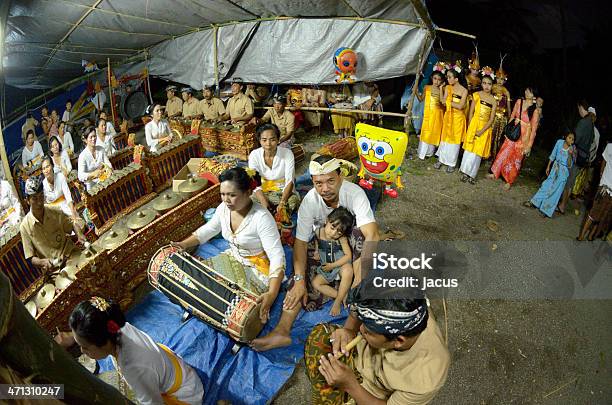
272, 185
58, 200
6, 214
260, 262
168, 396
35, 160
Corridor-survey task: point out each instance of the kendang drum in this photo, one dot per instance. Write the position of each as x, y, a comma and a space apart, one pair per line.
211, 297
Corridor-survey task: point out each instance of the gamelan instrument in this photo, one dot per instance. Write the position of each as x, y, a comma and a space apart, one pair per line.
164, 164
345, 148
31, 307
44, 296
141, 218
108, 200
166, 201
213, 298
21, 273
65, 277
114, 238
192, 186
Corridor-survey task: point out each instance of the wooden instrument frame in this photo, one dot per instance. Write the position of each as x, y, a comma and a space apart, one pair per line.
116, 273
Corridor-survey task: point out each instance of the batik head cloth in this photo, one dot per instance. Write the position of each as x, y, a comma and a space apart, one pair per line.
317, 169
387, 322
33, 186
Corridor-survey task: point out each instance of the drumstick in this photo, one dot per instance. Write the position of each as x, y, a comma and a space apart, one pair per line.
350, 346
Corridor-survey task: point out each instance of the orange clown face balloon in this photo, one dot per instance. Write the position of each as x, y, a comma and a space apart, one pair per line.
345, 60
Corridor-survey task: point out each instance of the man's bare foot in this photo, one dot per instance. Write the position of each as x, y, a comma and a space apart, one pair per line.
271, 341
507, 186
335, 309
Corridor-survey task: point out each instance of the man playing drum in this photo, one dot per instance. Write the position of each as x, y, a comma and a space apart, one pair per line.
330, 191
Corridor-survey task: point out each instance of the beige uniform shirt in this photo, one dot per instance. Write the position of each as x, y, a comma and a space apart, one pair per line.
239, 105
190, 107
285, 122
48, 239
410, 377
211, 109
174, 106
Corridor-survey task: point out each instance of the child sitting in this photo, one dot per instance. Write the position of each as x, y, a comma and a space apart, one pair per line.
332, 247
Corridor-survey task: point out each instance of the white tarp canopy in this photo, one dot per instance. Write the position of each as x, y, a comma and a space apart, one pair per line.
197, 42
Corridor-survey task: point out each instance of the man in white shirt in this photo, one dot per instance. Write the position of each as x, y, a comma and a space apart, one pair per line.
68, 112
330, 191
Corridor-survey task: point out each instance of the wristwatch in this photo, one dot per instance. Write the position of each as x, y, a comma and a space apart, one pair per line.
298, 277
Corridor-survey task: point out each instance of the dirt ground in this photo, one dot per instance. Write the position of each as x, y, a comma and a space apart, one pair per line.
502, 352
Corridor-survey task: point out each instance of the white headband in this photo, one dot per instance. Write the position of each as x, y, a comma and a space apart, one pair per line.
317, 169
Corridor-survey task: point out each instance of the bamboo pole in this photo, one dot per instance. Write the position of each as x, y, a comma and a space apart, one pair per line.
461, 34
5, 163
340, 110
426, 45
111, 93
216, 57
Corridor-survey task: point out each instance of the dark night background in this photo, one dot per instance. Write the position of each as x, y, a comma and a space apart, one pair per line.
559, 47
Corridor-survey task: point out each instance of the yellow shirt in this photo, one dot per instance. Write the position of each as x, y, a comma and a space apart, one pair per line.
285, 122
211, 109
239, 105
48, 239
410, 377
190, 107
174, 106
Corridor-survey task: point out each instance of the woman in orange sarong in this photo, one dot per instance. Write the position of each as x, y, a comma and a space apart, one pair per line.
509, 160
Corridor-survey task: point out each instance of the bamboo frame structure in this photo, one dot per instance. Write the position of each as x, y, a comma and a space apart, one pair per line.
341, 110
65, 37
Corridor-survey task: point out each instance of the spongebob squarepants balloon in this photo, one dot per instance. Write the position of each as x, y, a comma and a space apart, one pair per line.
381, 153
345, 61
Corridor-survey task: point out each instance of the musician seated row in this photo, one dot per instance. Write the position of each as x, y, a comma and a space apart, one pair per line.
93, 161
45, 230
239, 109
282, 118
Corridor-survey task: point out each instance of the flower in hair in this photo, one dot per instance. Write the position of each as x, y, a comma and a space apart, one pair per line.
488, 71
100, 303
251, 172
112, 327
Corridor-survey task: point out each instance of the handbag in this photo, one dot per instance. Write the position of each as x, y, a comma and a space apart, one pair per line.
512, 131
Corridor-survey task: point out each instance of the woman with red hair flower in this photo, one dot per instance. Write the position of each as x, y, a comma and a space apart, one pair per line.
153, 371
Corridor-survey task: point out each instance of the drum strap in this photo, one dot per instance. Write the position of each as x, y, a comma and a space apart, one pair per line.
168, 396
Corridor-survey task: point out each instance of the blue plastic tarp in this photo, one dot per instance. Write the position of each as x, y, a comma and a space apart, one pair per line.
248, 377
